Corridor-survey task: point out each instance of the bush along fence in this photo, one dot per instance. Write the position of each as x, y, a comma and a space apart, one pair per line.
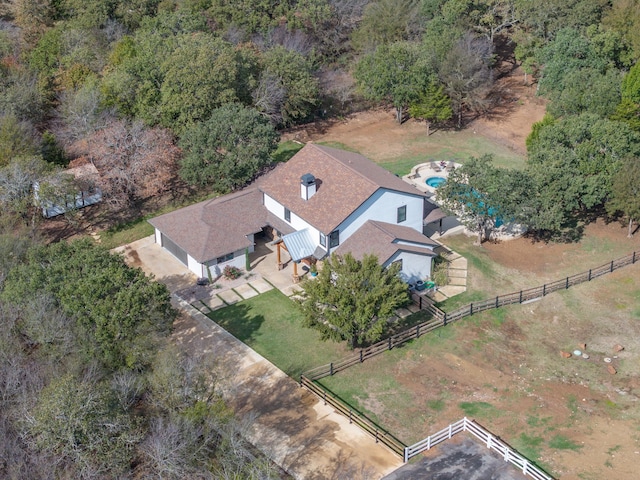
487, 438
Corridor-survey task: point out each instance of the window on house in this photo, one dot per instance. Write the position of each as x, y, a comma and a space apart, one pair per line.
287, 214
323, 240
225, 258
334, 238
402, 214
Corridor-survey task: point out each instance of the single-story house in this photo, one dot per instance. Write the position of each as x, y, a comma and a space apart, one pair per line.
323, 200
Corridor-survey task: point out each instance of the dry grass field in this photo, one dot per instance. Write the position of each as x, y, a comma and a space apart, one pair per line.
504, 367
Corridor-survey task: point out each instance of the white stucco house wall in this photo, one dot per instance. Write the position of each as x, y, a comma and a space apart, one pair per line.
323, 200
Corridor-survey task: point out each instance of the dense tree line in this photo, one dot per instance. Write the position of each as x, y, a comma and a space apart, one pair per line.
87, 78
90, 387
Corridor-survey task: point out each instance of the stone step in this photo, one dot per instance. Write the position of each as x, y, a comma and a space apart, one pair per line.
455, 273
459, 263
440, 297
459, 281
451, 290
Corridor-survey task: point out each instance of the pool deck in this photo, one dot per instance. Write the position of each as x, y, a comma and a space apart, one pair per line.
420, 173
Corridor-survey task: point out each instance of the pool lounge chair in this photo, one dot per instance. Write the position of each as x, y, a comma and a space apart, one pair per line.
435, 167
451, 166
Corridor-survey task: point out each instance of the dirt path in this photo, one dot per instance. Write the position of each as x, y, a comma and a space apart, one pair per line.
306, 438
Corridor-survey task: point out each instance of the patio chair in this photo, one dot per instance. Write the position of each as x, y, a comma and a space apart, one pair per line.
435, 167
451, 166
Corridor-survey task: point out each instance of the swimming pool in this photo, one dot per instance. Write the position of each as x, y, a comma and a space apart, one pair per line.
435, 182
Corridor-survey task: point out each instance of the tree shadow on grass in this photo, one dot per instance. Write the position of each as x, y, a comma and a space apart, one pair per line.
239, 321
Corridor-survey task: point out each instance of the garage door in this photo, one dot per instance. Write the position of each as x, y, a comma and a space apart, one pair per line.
177, 252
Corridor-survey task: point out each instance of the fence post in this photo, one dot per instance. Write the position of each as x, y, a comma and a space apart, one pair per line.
331, 369
496, 302
417, 331
450, 429
389, 343
471, 308
611, 266
350, 416
406, 454
544, 289
444, 321
376, 435
324, 396
489, 442
633, 259
524, 466
589, 275
567, 284
520, 296
361, 359
420, 301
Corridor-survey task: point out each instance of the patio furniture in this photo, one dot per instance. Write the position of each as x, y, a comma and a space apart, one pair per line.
435, 167
451, 166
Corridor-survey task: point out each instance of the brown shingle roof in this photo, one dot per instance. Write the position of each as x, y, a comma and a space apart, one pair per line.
432, 212
345, 181
213, 228
380, 239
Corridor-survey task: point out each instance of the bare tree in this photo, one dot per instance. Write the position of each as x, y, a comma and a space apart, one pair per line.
16, 186
128, 388
134, 162
269, 96
466, 74
177, 448
80, 115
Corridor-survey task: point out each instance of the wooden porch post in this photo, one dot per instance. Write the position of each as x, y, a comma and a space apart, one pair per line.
296, 277
279, 260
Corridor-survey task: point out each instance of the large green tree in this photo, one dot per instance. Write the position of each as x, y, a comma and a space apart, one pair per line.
485, 197
393, 73
288, 90
387, 21
117, 309
198, 76
572, 161
353, 299
628, 110
433, 105
79, 422
625, 192
227, 150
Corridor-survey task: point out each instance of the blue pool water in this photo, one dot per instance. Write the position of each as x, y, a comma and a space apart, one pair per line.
435, 182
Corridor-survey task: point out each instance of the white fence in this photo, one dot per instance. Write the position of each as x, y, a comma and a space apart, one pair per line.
490, 440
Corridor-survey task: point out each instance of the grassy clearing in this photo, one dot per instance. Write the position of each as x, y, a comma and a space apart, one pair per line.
449, 145
286, 150
271, 324
126, 233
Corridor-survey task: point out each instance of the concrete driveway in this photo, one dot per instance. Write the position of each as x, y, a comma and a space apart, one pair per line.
290, 425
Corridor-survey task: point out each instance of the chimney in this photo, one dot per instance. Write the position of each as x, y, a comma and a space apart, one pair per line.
307, 186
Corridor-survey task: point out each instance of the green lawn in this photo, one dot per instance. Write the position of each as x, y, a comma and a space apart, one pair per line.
445, 145
271, 324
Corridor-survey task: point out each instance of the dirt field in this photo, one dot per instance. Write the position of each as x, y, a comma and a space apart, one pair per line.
504, 368
376, 135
